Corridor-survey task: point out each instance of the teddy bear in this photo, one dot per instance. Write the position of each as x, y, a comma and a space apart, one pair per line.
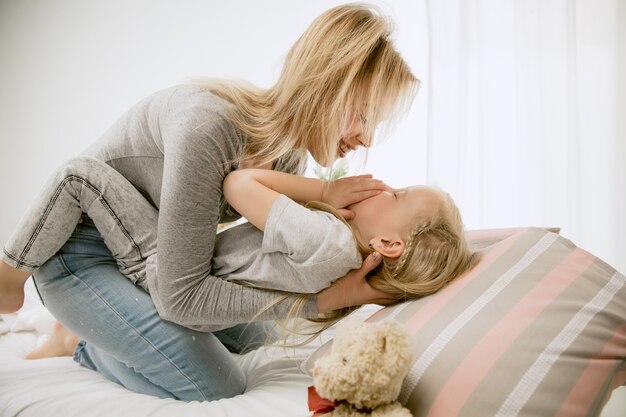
363, 374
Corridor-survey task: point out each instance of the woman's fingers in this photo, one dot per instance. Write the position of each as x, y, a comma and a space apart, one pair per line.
371, 262
350, 290
372, 295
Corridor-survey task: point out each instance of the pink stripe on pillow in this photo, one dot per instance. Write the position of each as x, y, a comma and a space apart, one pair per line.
494, 344
415, 323
451, 330
551, 354
475, 235
590, 382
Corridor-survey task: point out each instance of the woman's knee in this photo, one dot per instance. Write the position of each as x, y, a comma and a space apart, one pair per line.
163, 383
79, 166
233, 385
109, 312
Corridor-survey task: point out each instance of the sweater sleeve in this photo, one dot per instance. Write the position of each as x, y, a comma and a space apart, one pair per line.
200, 148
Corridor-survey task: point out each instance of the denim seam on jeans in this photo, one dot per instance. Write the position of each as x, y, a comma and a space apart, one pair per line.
62, 261
44, 217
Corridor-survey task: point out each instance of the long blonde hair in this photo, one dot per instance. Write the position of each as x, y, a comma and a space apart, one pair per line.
344, 59
436, 252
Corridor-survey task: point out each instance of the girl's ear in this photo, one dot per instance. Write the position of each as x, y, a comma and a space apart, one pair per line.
388, 247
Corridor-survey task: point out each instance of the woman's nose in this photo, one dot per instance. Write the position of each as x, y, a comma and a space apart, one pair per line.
366, 143
361, 140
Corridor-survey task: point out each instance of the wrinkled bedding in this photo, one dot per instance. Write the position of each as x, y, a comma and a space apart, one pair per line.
60, 387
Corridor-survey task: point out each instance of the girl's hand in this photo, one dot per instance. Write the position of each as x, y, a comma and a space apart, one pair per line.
353, 289
349, 190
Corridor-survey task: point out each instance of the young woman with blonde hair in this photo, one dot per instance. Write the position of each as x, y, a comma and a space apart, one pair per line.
341, 79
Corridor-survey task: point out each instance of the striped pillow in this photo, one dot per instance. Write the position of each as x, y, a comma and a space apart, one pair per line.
480, 239
538, 328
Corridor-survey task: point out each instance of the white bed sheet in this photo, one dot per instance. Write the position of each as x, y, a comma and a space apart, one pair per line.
60, 387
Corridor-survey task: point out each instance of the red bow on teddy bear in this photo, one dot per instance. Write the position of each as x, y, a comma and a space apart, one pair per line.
320, 405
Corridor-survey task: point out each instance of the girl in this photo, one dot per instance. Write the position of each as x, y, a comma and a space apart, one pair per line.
339, 81
418, 231
285, 246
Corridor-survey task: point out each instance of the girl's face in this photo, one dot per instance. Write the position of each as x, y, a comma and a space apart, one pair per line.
389, 216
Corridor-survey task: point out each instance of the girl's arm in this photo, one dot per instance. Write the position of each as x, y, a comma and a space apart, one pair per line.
252, 192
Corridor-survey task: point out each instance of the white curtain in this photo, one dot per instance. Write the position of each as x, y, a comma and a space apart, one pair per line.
524, 105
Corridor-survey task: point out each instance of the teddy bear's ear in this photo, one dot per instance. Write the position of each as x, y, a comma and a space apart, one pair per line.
384, 340
394, 340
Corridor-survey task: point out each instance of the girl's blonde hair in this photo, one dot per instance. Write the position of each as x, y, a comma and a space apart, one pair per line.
436, 252
344, 65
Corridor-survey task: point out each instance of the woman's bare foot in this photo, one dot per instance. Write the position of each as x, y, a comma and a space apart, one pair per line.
11, 288
60, 343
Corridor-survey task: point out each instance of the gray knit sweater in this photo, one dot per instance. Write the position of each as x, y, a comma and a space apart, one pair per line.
176, 146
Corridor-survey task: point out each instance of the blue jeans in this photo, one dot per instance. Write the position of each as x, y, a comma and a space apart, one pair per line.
123, 336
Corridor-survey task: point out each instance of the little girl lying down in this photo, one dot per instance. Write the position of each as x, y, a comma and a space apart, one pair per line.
284, 245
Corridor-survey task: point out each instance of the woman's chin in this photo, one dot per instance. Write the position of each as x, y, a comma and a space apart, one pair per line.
320, 160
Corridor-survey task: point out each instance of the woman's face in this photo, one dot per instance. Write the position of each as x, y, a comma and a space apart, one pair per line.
352, 135
350, 139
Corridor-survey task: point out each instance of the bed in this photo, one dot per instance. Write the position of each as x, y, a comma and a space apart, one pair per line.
537, 329
60, 387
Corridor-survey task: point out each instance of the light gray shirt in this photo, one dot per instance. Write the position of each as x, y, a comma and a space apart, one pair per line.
301, 250
176, 146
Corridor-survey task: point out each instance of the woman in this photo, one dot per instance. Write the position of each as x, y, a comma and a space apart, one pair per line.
340, 80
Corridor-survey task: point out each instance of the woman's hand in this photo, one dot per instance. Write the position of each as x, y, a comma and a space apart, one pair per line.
353, 289
349, 190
